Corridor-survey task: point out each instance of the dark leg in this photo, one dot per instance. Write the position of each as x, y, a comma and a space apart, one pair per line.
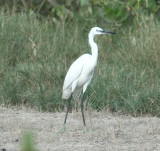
68, 108
82, 107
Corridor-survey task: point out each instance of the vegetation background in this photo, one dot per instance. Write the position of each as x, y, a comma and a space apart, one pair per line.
41, 38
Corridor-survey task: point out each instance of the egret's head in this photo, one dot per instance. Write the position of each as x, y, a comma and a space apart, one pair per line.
99, 31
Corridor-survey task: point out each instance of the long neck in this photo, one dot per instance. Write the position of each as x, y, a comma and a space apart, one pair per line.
93, 45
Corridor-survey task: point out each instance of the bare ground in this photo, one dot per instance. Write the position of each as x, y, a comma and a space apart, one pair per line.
107, 132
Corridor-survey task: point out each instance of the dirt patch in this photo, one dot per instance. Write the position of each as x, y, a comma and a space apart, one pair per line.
107, 132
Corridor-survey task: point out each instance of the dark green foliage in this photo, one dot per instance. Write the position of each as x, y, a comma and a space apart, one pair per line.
117, 12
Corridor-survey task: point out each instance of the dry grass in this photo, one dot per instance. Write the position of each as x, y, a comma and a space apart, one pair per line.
106, 131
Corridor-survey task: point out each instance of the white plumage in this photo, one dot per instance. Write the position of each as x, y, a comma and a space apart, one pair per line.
79, 75
81, 71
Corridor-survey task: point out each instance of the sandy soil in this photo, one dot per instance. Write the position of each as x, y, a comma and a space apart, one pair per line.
107, 132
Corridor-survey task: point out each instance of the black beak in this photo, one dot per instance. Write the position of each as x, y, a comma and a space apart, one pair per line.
108, 32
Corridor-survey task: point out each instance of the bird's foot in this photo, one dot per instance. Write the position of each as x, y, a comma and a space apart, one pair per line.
63, 129
85, 129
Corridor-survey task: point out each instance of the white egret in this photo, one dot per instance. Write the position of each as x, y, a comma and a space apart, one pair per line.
81, 71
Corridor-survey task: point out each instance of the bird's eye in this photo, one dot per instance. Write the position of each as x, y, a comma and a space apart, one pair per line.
97, 30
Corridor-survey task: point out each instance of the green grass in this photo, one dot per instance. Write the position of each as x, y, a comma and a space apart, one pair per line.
28, 141
35, 56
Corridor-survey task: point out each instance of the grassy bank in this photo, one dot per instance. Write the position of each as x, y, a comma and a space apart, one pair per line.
35, 56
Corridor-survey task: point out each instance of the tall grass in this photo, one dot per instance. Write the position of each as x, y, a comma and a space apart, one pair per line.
130, 71
35, 56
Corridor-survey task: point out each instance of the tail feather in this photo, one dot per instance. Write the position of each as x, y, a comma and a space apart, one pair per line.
66, 94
